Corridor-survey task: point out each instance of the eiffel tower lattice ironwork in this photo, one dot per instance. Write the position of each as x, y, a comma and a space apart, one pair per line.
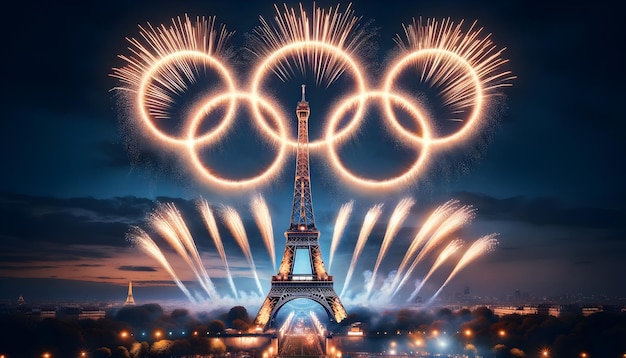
302, 235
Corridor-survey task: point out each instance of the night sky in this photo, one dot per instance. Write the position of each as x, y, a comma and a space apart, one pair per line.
545, 173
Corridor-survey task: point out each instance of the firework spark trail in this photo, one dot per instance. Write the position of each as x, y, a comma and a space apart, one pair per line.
395, 222
340, 30
464, 67
166, 220
211, 225
185, 236
235, 225
452, 247
340, 225
481, 246
263, 220
368, 224
441, 71
200, 37
433, 221
140, 238
452, 223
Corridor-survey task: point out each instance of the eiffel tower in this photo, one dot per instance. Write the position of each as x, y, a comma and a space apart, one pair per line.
129, 298
301, 235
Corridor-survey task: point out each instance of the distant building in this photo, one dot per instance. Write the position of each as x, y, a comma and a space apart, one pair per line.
48, 312
78, 312
356, 329
521, 310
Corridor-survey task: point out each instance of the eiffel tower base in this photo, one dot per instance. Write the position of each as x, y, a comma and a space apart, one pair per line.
282, 292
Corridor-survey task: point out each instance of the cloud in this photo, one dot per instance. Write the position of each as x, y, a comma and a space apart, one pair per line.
110, 278
136, 268
26, 267
88, 265
543, 211
66, 221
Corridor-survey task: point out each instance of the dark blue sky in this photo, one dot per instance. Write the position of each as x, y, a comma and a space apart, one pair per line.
546, 174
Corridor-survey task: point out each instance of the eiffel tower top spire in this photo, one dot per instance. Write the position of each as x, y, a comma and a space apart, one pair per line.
302, 209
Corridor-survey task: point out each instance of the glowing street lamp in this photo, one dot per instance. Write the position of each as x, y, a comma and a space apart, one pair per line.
468, 332
158, 334
545, 353
124, 334
392, 350
502, 333
46, 355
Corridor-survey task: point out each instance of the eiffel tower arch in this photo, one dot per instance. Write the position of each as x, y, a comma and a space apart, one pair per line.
301, 236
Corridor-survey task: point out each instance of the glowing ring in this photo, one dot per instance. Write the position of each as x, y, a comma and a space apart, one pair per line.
467, 127
146, 79
281, 54
269, 173
371, 183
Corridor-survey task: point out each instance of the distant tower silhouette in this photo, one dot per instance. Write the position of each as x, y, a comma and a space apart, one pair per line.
129, 299
302, 235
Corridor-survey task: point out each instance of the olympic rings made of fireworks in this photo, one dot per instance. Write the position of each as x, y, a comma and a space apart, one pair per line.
464, 65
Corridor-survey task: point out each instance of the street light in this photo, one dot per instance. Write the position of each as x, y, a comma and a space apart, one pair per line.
502, 333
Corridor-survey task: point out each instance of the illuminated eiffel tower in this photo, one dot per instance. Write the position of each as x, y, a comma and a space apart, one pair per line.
302, 235
129, 298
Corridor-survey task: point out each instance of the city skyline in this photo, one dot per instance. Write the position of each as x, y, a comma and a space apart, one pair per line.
543, 175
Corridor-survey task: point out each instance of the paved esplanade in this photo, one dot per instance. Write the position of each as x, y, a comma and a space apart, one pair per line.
301, 339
